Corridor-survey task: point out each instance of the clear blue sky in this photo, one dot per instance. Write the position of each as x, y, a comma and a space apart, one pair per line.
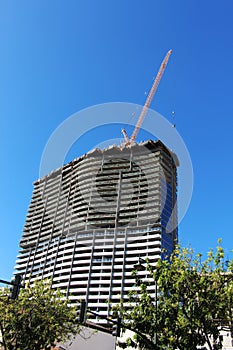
58, 57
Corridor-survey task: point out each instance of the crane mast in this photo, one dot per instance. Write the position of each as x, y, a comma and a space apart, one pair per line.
131, 140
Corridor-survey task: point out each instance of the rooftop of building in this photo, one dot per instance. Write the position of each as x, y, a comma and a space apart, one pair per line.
148, 144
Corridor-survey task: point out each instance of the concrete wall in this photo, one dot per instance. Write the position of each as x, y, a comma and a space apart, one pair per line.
89, 339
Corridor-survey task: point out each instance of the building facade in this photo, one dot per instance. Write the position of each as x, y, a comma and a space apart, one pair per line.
89, 222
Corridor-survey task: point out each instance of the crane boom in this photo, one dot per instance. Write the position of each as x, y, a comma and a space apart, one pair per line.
149, 98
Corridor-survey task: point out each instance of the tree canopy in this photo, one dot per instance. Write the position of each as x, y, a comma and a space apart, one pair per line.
191, 305
37, 319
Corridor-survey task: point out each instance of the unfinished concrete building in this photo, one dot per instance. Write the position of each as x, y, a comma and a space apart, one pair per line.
89, 221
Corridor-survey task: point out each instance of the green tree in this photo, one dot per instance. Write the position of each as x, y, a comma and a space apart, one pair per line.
192, 304
37, 319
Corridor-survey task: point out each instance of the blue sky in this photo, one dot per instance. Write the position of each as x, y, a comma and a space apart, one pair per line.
58, 57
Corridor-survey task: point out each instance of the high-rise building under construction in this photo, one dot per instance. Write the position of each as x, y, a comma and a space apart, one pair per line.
89, 221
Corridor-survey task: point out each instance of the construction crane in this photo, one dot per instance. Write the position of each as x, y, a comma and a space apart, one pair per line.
130, 141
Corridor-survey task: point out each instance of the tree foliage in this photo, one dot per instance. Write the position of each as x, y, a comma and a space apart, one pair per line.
192, 304
40, 317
